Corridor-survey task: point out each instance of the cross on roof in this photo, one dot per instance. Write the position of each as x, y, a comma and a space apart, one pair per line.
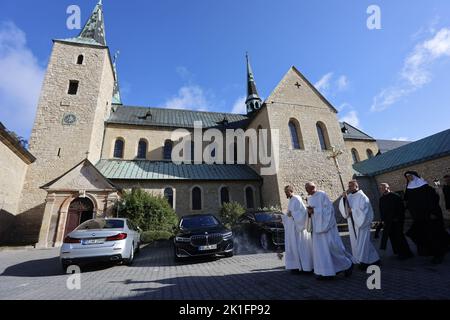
298, 85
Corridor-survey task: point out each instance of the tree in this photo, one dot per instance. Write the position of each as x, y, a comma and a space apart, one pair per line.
230, 213
149, 212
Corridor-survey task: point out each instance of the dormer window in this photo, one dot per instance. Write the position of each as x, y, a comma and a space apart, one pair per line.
80, 59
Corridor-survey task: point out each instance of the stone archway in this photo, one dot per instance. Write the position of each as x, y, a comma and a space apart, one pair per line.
80, 210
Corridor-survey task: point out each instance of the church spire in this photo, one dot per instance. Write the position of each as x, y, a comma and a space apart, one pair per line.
116, 93
253, 101
94, 30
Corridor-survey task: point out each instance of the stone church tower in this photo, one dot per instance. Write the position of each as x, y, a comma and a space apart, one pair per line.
308, 128
75, 101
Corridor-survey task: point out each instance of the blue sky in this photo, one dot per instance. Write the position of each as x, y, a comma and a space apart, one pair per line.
393, 83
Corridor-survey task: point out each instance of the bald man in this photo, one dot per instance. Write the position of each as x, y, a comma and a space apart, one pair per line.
329, 254
359, 215
392, 212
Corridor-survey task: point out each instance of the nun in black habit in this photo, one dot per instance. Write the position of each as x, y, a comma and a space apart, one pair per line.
427, 230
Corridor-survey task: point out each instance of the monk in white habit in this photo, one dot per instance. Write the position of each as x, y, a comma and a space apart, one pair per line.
359, 214
298, 241
329, 254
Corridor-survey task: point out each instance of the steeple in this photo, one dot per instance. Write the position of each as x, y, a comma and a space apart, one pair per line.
116, 93
253, 101
95, 26
93, 32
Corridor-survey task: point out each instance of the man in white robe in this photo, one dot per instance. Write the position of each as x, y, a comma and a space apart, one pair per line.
298, 239
360, 209
329, 254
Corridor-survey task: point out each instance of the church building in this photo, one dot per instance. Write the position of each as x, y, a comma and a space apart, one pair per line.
89, 145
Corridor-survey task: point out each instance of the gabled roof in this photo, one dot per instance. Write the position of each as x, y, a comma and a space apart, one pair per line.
160, 170
351, 133
432, 147
388, 145
82, 176
175, 118
14, 145
295, 71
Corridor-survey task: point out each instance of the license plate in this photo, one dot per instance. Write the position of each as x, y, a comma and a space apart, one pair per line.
211, 247
93, 241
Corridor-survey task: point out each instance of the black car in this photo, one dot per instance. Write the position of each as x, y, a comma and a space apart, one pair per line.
263, 229
202, 235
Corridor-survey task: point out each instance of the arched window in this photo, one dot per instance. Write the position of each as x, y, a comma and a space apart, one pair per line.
296, 137
249, 198
168, 146
224, 195
118, 148
168, 194
80, 59
142, 149
323, 136
196, 198
369, 154
355, 155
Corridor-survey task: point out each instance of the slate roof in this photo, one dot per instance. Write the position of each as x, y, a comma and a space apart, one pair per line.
175, 118
388, 145
432, 147
159, 170
352, 133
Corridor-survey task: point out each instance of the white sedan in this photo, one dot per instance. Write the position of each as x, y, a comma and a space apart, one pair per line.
113, 240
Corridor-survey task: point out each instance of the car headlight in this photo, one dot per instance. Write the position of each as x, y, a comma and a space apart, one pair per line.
182, 239
227, 235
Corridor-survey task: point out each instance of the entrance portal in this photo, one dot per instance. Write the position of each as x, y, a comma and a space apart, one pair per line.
80, 210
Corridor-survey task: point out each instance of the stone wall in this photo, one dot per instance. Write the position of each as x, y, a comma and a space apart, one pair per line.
12, 175
57, 146
183, 195
361, 147
305, 106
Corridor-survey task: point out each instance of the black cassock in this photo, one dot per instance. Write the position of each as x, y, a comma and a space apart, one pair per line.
393, 216
428, 231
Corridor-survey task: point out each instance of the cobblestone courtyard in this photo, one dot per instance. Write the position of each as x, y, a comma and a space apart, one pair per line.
36, 274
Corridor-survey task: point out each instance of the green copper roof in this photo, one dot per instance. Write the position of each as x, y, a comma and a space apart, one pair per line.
159, 170
435, 146
175, 118
93, 32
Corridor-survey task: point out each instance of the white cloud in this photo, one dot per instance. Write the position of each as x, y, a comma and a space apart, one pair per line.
400, 139
416, 70
239, 106
327, 85
351, 118
21, 79
342, 83
191, 97
324, 83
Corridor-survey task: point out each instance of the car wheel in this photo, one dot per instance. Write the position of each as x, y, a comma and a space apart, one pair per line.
138, 248
264, 241
129, 261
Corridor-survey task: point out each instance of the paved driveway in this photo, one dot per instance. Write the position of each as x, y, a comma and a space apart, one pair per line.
36, 274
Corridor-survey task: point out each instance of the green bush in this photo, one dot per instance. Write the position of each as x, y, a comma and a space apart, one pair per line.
230, 213
148, 211
152, 235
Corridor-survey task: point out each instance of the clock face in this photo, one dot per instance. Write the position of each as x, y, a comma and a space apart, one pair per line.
69, 119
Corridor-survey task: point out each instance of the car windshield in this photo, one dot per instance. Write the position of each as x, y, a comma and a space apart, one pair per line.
198, 222
265, 217
99, 224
